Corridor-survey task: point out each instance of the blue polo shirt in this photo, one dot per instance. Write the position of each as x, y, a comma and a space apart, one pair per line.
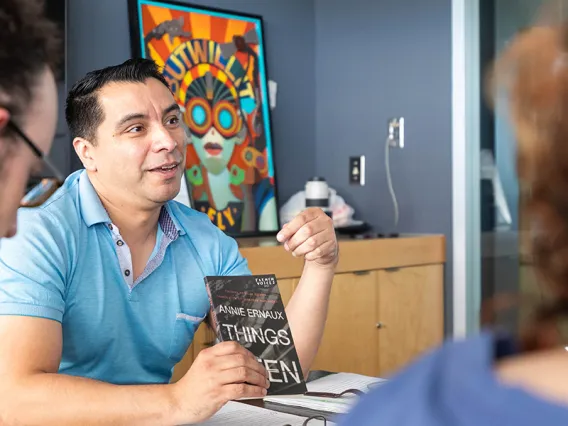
69, 263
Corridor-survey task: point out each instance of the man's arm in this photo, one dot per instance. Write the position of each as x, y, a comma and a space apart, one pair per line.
33, 266
307, 312
31, 391
311, 235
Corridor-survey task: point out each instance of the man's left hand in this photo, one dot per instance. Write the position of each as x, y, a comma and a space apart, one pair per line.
311, 234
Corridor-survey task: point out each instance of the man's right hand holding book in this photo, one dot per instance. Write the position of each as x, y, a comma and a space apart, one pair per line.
219, 374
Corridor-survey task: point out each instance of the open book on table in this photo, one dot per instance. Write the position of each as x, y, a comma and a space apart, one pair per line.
324, 394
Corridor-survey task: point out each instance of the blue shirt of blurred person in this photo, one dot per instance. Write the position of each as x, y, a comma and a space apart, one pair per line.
456, 385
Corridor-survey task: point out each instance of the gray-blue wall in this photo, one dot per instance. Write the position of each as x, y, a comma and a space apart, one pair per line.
376, 60
382, 59
99, 36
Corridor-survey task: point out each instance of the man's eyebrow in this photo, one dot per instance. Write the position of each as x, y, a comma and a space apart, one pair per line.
129, 117
173, 107
138, 115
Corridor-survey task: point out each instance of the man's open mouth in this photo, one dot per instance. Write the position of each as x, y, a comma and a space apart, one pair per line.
168, 170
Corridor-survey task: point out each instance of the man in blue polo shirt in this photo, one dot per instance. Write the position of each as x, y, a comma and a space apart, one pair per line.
102, 289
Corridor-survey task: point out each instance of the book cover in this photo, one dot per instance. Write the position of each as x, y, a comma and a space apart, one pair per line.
249, 310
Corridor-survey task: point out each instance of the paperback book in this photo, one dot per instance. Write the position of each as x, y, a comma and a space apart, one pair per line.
249, 310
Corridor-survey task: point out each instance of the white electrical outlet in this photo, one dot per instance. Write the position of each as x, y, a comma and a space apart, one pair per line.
396, 132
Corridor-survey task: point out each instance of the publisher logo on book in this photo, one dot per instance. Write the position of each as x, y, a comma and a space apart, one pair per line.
265, 282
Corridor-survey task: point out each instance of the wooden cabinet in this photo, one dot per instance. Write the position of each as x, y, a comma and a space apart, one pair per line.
386, 304
350, 342
380, 320
411, 314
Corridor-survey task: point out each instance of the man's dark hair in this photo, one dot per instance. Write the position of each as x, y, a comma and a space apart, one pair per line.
83, 111
29, 43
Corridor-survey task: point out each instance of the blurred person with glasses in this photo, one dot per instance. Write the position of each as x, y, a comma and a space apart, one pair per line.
28, 106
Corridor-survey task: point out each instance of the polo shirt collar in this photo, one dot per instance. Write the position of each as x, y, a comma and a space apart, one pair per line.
93, 211
173, 210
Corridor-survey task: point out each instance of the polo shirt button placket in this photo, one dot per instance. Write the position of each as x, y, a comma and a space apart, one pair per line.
126, 268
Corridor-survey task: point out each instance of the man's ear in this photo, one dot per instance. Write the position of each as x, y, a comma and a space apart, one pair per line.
85, 150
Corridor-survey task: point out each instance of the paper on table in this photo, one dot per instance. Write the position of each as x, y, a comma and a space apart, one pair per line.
240, 414
337, 383
334, 383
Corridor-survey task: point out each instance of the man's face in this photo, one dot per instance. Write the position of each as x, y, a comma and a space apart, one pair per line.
17, 161
138, 155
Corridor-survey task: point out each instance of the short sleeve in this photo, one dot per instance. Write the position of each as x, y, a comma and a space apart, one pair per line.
231, 262
33, 267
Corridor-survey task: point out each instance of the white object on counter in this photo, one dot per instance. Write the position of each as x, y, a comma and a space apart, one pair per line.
342, 213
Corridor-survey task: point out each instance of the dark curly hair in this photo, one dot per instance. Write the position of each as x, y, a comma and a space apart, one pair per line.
531, 76
29, 43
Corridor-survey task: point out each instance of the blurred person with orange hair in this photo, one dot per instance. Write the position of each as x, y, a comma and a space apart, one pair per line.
495, 378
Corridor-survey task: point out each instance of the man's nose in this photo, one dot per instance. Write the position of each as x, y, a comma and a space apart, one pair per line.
164, 140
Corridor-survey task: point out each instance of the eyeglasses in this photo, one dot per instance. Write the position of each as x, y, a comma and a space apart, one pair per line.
47, 186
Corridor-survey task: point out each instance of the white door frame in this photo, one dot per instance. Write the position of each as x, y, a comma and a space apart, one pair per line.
466, 226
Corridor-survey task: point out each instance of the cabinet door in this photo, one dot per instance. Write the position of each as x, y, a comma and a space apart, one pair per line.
411, 314
350, 342
286, 288
205, 335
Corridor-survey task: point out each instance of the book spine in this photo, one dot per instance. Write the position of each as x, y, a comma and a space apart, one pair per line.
215, 324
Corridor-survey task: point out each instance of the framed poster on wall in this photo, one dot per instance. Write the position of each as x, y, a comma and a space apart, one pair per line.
215, 63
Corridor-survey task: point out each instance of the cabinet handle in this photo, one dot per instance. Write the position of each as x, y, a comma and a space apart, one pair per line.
381, 325
362, 272
393, 269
